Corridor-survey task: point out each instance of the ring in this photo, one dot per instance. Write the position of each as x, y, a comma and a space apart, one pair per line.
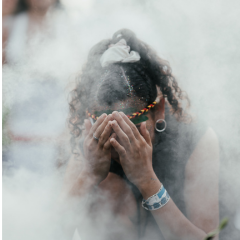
95, 137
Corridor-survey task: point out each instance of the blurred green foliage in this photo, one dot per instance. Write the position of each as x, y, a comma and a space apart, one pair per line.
222, 225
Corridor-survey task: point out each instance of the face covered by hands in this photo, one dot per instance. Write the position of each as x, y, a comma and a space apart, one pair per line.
97, 152
134, 148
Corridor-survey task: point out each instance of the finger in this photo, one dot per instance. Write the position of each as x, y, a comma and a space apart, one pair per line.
124, 126
145, 133
131, 124
98, 123
108, 144
121, 135
98, 132
105, 135
87, 126
119, 149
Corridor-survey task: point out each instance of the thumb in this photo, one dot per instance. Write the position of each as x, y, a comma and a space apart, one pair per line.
88, 126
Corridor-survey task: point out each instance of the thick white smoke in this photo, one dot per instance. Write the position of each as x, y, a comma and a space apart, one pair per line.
200, 40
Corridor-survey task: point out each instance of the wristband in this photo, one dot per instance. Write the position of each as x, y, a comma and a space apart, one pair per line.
157, 200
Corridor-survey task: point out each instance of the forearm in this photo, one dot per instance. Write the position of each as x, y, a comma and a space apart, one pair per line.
172, 223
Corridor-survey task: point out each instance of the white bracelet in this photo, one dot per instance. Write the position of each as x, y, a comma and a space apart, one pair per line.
157, 200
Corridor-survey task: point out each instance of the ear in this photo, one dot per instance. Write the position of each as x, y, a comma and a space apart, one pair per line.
160, 110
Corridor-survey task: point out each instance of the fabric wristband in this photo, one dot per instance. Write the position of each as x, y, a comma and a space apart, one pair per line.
156, 201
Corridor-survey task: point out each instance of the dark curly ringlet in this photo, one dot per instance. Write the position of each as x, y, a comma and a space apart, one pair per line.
108, 87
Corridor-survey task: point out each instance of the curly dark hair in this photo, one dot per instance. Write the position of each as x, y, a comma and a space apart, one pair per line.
106, 84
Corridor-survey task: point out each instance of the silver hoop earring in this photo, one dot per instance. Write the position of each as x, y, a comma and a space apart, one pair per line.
162, 130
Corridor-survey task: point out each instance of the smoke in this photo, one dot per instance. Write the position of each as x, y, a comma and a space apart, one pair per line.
200, 40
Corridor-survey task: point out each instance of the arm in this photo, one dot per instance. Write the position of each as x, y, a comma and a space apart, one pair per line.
112, 196
173, 224
201, 195
91, 165
83, 173
86, 171
202, 179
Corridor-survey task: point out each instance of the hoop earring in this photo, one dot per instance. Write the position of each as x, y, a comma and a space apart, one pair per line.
162, 130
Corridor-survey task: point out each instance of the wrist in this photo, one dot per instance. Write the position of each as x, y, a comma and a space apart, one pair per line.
150, 186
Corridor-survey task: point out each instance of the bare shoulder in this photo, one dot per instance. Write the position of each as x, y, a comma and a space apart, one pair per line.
205, 154
209, 139
202, 182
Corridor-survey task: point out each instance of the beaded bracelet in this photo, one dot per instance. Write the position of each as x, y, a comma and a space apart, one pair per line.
156, 201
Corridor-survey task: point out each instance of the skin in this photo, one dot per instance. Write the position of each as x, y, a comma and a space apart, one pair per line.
8, 7
37, 15
40, 6
131, 146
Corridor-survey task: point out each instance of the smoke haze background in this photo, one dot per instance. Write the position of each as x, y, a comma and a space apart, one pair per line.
200, 39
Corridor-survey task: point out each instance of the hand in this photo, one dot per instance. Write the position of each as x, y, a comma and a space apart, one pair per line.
134, 149
97, 153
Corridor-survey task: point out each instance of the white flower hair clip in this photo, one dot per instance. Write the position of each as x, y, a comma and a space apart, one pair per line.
119, 52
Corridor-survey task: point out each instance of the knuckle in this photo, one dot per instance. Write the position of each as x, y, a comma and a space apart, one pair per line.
90, 148
128, 130
106, 147
122, 152
126, 139
133, 128
108, 128
89, 145
141, 143
116, 126
101, 139
139, 147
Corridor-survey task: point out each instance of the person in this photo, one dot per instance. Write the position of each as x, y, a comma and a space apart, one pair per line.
8, 10
32, 23
134, 143
36, 27
9, 7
